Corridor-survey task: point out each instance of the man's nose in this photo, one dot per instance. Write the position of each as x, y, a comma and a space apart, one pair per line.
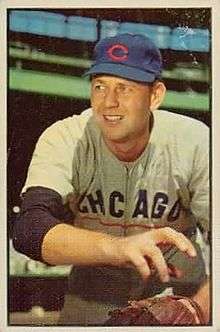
111, 98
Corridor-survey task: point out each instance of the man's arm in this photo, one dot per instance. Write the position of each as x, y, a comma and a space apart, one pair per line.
44, 232
66, 244
202, 297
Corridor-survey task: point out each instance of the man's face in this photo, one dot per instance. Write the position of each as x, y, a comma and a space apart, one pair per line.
121, 107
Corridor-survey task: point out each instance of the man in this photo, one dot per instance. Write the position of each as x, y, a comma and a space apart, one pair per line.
112, 191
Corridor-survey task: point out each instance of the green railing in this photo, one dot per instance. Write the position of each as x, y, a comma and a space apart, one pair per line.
77, 87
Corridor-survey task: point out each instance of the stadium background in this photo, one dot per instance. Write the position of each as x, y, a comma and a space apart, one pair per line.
48, 51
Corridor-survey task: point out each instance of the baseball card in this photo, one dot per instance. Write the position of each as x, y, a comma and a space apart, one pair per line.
109, 166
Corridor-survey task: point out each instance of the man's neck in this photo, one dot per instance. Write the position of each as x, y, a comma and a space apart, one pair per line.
128, 151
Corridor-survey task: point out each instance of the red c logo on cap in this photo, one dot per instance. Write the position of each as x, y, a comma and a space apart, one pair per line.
118, 47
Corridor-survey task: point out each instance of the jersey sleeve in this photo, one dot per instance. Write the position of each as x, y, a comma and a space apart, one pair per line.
52, 176
52, 161
41, 209
199, 185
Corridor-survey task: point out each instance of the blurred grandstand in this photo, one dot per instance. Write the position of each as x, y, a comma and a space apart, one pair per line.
48, 51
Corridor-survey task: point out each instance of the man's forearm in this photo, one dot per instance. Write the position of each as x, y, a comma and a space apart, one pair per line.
66, 244
202, 297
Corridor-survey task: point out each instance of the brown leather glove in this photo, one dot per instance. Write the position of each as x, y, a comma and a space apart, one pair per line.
166, 310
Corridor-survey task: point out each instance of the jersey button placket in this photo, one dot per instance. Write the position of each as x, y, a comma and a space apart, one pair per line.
127, 216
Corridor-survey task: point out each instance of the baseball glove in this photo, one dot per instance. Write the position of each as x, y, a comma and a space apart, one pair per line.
166, 310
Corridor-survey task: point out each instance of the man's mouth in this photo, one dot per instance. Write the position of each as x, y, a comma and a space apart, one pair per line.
113, 118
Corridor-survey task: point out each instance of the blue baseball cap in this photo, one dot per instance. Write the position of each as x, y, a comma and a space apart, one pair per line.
130, 56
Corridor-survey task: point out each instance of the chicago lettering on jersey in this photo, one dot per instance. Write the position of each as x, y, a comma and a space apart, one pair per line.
94, 202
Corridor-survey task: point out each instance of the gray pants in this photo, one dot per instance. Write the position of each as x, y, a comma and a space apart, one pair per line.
87, 312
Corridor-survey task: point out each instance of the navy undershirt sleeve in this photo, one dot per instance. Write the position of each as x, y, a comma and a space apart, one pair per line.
41, 210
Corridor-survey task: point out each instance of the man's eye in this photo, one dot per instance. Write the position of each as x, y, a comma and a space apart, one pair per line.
99, 87
125, 89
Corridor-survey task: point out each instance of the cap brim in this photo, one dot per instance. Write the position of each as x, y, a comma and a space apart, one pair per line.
123, 71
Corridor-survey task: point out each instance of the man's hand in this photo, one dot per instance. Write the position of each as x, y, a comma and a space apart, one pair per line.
143, 251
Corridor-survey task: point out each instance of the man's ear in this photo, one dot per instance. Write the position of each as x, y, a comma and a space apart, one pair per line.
157, 95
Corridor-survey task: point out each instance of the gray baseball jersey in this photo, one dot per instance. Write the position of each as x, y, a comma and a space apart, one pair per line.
166, 185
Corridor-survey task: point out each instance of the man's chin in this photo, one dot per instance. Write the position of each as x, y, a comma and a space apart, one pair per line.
115, 135
117, 139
